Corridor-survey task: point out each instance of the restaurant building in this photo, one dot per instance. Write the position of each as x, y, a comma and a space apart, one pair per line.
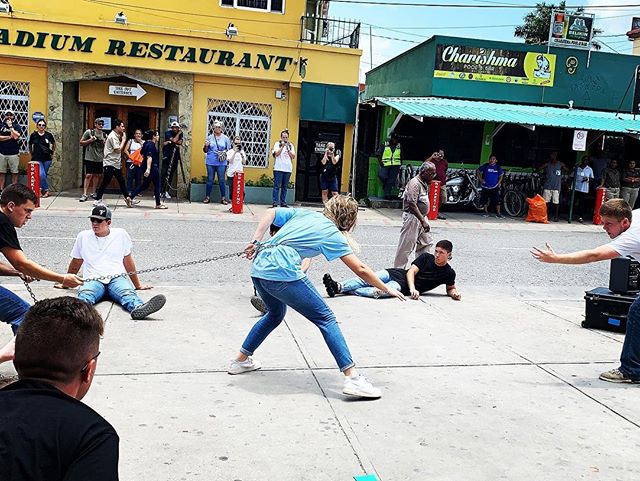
260, 66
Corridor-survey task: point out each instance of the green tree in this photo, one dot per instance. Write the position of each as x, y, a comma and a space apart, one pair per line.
535, 29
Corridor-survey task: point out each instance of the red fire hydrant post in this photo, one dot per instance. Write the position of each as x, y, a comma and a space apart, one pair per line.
434, 199
33, 179
237, 196
601, 197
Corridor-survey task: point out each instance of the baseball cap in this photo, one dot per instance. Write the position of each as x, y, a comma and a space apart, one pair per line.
9, 112
217, 123
100, 212
175, 124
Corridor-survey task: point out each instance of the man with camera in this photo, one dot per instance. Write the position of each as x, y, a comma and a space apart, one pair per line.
390, 159
93, 142
283, 152
10, 132
173, 139
623, 227
328, 172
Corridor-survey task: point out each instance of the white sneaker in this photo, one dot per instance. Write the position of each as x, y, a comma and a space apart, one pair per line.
98, 203
360, 386
167, 196
248, 365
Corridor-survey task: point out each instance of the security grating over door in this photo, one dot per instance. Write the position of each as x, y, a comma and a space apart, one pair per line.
251, 121
15, 96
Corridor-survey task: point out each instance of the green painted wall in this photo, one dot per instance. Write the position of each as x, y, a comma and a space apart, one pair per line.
600, 87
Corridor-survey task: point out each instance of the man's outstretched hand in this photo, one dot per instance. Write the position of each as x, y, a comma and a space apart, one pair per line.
544, 255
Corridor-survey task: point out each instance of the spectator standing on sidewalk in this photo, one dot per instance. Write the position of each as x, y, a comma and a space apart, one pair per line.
173, 139
415, 232
113, 148
630, 183
442, 165
42, 145
134, 172
611, 180
584, 174
93, 142
490, 176
236, 157
10, 132
328, 172
390, 159
552, 183
283, 152
216, 147
47, 433
151, 164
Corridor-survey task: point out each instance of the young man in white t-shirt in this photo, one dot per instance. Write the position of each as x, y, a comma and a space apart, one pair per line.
283, 153
623, 227
105, 251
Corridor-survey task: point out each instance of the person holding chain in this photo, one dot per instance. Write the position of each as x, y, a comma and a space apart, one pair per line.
103, 253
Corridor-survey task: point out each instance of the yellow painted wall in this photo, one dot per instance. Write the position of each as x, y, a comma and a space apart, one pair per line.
28, 71
347, 158
264, 92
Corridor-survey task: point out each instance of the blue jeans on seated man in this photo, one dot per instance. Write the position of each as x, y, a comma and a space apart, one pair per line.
630, 357
212, 171
280, 184
119, 290
360, 288
12, 308
304, 298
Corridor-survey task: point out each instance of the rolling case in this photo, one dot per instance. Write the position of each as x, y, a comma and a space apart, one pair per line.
606, 310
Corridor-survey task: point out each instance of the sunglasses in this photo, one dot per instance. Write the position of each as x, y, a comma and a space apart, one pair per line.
97, 221
86, 365
42, 125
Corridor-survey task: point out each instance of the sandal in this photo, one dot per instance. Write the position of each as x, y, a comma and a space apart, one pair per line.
128, 201
44, 195
206, 200
161, 206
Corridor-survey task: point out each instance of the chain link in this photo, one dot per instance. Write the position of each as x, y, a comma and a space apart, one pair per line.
33, 296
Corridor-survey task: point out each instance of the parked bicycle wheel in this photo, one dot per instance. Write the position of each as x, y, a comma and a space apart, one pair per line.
513, 203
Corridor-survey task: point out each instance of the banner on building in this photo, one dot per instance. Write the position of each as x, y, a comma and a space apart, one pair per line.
494, 65
571, 31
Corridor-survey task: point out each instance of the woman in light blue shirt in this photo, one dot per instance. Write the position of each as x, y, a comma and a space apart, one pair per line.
216, 147
279, 280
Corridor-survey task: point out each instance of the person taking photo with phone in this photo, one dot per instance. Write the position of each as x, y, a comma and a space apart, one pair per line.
328, 172
283, 152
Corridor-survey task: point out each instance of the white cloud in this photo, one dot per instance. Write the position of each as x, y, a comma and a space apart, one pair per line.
613, 21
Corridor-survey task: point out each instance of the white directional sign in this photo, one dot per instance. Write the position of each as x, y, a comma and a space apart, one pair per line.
127, 91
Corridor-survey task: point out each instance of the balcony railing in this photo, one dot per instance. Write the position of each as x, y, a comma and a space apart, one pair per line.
328, 31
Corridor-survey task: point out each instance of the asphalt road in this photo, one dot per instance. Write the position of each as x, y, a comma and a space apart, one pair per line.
481, 256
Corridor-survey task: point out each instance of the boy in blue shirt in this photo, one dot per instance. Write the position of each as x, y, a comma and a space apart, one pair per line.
490, 176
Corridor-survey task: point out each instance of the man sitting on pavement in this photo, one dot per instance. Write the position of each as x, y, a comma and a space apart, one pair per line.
106, 251
17, 203
47, 433
617, 223
426, 273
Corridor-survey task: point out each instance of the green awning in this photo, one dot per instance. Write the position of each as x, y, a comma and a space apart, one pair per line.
328, 103
565, 118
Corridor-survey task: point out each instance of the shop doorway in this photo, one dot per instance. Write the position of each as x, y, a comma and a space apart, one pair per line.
312, 141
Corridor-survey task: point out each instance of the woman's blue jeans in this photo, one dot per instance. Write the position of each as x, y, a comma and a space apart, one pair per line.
119, 290
44, 172
304, 298
154, 176
212, 171
280, 183
134, 175
12, 308
630, 357
360, 288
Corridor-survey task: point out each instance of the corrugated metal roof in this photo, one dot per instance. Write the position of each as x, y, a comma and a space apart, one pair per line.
513, 114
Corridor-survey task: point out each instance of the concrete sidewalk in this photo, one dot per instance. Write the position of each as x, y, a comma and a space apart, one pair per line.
66, 203
500, 386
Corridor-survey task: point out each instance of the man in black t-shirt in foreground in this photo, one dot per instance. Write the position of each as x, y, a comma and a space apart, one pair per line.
426, 273
47, 434
17, 203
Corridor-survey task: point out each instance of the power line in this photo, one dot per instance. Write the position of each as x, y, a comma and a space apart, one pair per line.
490, 6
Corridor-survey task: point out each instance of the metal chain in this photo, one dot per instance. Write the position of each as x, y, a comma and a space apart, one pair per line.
259, 247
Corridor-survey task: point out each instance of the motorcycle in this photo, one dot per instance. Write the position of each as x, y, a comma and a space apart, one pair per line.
462, 188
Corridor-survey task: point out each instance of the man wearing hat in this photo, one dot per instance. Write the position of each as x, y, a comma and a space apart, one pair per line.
173, 139
10, 132
105, 251
93, 142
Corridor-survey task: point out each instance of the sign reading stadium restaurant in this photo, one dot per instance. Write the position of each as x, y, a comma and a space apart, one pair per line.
459, 62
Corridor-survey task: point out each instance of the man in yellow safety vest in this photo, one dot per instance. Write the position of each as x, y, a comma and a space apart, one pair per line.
390, 160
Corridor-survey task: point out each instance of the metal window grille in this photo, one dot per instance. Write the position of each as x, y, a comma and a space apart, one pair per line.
15, 96
268, 5
251, 121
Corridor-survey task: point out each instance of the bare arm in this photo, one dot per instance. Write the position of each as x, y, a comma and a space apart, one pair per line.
130, 266
4, 137
411, 281
74, 267
21, 263
86, 142
263, 226
453, 293
8, 270
292, 155
548, 255
365, 273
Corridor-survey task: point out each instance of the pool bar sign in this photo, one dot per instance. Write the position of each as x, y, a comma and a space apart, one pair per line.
571, 31
127, 91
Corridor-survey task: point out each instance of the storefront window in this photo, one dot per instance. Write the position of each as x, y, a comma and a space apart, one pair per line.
268, 5
15, 96
251, 121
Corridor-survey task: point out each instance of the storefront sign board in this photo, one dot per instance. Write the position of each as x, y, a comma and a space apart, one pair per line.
460, 62
571, 31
